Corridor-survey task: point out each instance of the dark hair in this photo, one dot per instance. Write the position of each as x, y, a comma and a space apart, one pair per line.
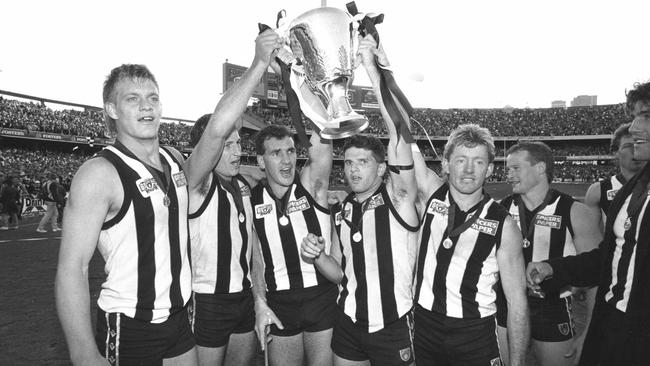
622, 131
198, 128
125, 71
470, 135
640, 93
269, 132
538, 152
370, 143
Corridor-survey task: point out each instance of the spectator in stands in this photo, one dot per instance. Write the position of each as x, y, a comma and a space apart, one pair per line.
50, 196
9, 203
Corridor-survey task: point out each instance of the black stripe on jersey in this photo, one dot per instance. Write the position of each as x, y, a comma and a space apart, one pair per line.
344, 281
290, 251
558, 236
224, 242
479, 255
176, 262
269, 268
605, 185
623, 265
244, 246
424, 247
112, 158
359, 262
385, 257
443, 259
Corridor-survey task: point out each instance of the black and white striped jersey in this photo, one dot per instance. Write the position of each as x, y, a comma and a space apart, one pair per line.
378, 260
608, 189
145, 245
221, 233
456, 278
281, 224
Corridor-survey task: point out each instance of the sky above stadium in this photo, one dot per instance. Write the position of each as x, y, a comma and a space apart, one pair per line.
446, 54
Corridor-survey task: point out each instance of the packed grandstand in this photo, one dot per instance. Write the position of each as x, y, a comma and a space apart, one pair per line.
35, 139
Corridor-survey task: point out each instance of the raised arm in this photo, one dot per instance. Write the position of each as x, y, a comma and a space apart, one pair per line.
228, 111
315, 175
402, 186
510, 259
93, 196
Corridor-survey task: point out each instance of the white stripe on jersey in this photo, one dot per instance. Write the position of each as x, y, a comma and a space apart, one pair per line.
204, 231
119, 247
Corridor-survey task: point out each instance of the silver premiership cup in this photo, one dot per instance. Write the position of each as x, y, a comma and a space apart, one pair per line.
325, 42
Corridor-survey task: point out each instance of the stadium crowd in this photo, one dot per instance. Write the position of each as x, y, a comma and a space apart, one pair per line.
31, 116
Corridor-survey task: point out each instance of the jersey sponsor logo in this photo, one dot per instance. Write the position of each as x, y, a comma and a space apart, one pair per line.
405, 354
179, 179
301, 204
338, 217
438, 207
262, 210
375, 201
563, 328
552, 221
244, 191
611, 193
146, 186
486, 226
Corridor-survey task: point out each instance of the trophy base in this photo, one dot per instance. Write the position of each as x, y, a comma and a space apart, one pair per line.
347, 128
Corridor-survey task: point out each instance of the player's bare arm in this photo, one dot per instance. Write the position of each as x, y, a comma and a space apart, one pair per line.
510, 259
592, 201
313, 250
402, 186
228, 111
315, 175
95, 196
264, 316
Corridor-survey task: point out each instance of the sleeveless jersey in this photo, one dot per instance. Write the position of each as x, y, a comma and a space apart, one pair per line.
281, 224
145, 245
458, 281
608, 189
221, 240
552, 232
378, 264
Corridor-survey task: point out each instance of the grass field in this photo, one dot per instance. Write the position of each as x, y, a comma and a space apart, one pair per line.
30, 333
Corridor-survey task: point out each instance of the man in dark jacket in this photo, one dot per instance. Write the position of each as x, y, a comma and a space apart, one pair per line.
619, 333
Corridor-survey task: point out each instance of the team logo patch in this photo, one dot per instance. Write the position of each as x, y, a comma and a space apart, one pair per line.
179, 179
486, 226
244, 191
611, 193
552, 221
405, 354
563, 328
146, 186
263, 210
437, 207
495, 362
301, 204
375, 201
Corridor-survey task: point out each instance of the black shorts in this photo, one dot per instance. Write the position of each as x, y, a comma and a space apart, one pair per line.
442, 340
550, 318
309, 309
214, 317
392, 345
137, 342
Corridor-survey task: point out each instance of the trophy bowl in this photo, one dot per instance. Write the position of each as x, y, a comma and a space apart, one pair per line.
325, 42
